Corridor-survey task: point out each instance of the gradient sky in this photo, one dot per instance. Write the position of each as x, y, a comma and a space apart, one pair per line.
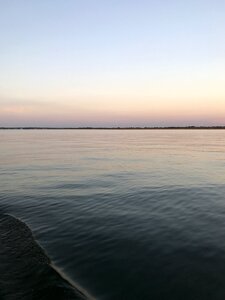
112, 63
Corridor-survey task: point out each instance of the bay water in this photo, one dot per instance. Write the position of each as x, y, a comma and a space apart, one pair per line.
125, 214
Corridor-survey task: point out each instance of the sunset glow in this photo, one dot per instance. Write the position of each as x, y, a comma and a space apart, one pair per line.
121, 63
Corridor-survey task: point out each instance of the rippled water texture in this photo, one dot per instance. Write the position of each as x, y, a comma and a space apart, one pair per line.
124, 214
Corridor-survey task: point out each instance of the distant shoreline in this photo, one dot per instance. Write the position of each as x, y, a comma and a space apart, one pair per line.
115, 128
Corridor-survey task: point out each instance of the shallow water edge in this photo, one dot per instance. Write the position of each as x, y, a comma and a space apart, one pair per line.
26, 270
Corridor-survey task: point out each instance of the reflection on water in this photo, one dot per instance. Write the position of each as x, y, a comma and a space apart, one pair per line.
125, 214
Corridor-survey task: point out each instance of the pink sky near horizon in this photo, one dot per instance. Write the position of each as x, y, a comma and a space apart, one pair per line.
69, 115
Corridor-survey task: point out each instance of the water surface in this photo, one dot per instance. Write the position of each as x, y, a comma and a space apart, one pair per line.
125, 214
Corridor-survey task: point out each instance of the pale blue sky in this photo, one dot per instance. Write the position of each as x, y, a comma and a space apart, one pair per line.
112, 62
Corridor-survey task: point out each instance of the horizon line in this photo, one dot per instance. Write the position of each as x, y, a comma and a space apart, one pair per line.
109, 128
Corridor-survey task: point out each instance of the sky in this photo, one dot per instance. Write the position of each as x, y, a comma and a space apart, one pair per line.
112, 63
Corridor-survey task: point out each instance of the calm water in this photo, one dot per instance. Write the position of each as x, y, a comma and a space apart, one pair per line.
125, 214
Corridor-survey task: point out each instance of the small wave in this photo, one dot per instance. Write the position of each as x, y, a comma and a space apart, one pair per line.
26, 272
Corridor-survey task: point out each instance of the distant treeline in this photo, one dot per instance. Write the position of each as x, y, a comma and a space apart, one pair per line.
112, 128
